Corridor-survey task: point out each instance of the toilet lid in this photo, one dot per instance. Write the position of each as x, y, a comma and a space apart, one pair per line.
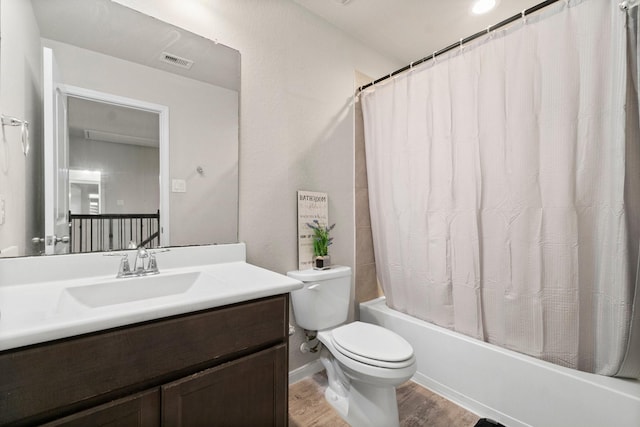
369, 343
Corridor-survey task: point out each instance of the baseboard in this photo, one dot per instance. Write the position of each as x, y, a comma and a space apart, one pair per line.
305, 371
466, 402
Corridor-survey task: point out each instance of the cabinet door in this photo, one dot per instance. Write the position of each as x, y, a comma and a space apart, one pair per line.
138, 410
250, 391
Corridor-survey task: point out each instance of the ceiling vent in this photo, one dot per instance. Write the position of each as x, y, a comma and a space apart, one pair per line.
172, 59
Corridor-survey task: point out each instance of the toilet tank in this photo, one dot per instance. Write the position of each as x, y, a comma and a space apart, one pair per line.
324, 300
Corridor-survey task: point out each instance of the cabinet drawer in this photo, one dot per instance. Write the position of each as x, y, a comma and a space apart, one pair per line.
43, 382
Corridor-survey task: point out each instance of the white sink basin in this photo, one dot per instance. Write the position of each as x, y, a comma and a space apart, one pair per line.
120, 291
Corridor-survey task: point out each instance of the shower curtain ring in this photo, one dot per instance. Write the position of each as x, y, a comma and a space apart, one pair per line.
524, 16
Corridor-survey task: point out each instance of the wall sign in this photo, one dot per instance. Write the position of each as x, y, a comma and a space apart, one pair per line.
311, 205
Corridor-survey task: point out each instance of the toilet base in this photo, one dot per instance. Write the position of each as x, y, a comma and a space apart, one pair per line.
361, 404
366, 406
339, 403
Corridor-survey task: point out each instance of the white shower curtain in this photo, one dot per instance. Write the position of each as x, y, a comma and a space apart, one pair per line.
498, 180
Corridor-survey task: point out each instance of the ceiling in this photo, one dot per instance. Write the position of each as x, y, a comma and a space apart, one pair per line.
112, 29
409, 30
109, 28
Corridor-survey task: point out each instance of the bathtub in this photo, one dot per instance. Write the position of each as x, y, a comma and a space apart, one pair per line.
509, 387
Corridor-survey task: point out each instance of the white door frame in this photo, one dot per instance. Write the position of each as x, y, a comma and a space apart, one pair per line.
55, 146
163, 148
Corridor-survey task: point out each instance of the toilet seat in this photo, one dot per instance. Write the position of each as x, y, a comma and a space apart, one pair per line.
372, 345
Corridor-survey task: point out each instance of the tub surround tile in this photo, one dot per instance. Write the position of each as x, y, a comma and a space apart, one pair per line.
359, 150
364, 246
361, 173
366, 283
363, 217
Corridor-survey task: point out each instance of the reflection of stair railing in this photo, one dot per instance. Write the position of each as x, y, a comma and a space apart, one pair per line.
110, 232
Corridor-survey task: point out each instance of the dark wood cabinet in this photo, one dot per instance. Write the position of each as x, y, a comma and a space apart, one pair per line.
239, 393
225, 366
138, 410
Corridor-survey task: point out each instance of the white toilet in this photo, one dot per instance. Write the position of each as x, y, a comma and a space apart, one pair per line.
364, 362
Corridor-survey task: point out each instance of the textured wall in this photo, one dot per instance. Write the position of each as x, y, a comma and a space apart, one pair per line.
296, 122
21, 97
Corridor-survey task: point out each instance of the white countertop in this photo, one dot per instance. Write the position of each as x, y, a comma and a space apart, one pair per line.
42, 311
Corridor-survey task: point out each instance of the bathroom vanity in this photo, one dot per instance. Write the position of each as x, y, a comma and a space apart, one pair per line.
180, 363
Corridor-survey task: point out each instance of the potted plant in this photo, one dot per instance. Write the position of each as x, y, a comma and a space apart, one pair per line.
321, 242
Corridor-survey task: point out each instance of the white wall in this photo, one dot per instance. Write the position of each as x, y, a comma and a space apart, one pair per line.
203, 131
21, 97
296, 125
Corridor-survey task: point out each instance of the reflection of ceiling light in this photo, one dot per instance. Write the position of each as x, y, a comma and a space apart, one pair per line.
97, 135
483, 6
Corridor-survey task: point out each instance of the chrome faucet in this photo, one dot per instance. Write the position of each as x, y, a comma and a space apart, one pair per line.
143, 256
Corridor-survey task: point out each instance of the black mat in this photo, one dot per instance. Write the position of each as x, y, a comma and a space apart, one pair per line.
486, 422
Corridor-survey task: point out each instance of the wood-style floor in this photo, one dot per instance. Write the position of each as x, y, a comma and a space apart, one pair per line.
416, 405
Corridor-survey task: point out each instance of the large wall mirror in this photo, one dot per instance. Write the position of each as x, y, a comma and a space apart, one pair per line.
133, 131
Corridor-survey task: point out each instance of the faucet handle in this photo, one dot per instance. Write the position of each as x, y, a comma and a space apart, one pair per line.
152, 268
124, 268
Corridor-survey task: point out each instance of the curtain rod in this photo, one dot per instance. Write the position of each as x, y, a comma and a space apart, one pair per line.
461, 42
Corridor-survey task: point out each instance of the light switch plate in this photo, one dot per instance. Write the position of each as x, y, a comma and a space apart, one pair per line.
178, 186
